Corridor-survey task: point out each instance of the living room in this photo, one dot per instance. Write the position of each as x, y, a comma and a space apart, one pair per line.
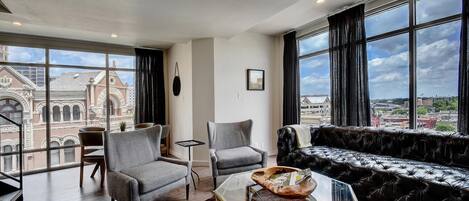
222, 100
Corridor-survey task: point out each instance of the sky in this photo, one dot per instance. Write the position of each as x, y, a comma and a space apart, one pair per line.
388, 69
37, 55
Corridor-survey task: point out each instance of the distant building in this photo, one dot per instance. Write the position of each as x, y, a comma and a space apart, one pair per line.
315, 104
77, 99
315, 109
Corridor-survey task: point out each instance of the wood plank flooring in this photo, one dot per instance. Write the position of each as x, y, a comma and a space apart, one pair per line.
63, 185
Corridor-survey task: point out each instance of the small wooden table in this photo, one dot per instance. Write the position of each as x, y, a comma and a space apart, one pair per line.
189, 144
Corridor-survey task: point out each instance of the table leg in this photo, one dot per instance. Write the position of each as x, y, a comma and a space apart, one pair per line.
192, 171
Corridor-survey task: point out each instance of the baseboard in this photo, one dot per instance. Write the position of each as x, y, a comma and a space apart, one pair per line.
195, 163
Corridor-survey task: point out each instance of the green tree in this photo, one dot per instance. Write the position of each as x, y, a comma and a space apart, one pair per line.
453, 104
442, 126
422, 110
399, 112
439, 105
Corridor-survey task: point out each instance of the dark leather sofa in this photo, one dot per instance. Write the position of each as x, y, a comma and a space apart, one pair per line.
385, 164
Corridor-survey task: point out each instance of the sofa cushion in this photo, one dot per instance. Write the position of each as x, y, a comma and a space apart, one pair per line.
236, 157
156, 174
430, 172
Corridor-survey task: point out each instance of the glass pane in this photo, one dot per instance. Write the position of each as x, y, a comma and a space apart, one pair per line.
388, 77
315, 90
79, 96
122, 98
121, 61
314, 43
22, 96
388, 20
22, 54
65, 57
428, 10
437, 76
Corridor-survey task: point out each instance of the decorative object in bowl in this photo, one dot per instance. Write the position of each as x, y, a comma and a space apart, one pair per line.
288, 189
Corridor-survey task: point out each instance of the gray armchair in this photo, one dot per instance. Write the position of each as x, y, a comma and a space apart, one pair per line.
135, 169
230, 149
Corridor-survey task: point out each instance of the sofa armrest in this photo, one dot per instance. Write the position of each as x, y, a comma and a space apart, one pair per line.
213, 162
188, 164
122, 187
286, 144
264, 155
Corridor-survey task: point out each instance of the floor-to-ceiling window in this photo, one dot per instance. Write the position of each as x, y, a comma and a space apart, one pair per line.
413, 64
314, 79
71, 86
413, 60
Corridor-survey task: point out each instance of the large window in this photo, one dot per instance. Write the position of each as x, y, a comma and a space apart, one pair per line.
417, 90
412, 66
388, 78
314, 80
79, 84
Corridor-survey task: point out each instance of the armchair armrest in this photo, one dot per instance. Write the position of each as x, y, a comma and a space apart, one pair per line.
188, 164
213, 162
264, 155
175, 161
122, 187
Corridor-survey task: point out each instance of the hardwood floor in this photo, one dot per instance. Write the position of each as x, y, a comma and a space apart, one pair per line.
63, 185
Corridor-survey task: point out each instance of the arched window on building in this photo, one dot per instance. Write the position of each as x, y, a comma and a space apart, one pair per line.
17, 157
54, 154
11, 109
112, 109
66, 113
44, 112
69, 153
56, 113
7, 160
76, 112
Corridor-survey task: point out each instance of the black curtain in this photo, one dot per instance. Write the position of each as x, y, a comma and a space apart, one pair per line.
149, 87
463, 103
291, 81
349, 72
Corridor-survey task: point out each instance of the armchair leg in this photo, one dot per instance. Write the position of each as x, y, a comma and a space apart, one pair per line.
214, 183
187, 191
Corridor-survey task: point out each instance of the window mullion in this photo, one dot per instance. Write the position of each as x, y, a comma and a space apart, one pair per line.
412, 67
48, 128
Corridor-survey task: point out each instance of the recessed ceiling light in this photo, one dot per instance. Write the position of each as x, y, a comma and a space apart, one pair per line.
16, 23
114, 35
320, 1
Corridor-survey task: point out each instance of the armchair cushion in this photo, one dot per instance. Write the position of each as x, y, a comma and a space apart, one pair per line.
156, 174
236, 157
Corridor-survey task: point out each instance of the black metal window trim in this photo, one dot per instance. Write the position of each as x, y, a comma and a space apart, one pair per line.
411, 29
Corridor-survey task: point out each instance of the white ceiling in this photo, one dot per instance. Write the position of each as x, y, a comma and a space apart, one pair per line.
159, 23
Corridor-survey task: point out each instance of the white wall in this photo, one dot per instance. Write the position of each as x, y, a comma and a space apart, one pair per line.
180, 107
216, 71
233, 102
203, 93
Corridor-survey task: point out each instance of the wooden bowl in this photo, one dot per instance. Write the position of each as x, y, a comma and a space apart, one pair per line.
302, 190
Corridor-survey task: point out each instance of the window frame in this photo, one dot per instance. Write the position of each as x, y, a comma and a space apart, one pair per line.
107, 49
411, 30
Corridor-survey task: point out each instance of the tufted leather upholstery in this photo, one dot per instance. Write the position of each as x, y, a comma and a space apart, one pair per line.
385, 164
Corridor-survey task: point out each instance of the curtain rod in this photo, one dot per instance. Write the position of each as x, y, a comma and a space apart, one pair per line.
330, 14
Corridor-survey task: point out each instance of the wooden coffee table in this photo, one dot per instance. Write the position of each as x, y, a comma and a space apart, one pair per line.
240, 187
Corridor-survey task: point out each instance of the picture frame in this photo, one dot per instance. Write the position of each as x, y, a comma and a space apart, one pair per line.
255, 80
